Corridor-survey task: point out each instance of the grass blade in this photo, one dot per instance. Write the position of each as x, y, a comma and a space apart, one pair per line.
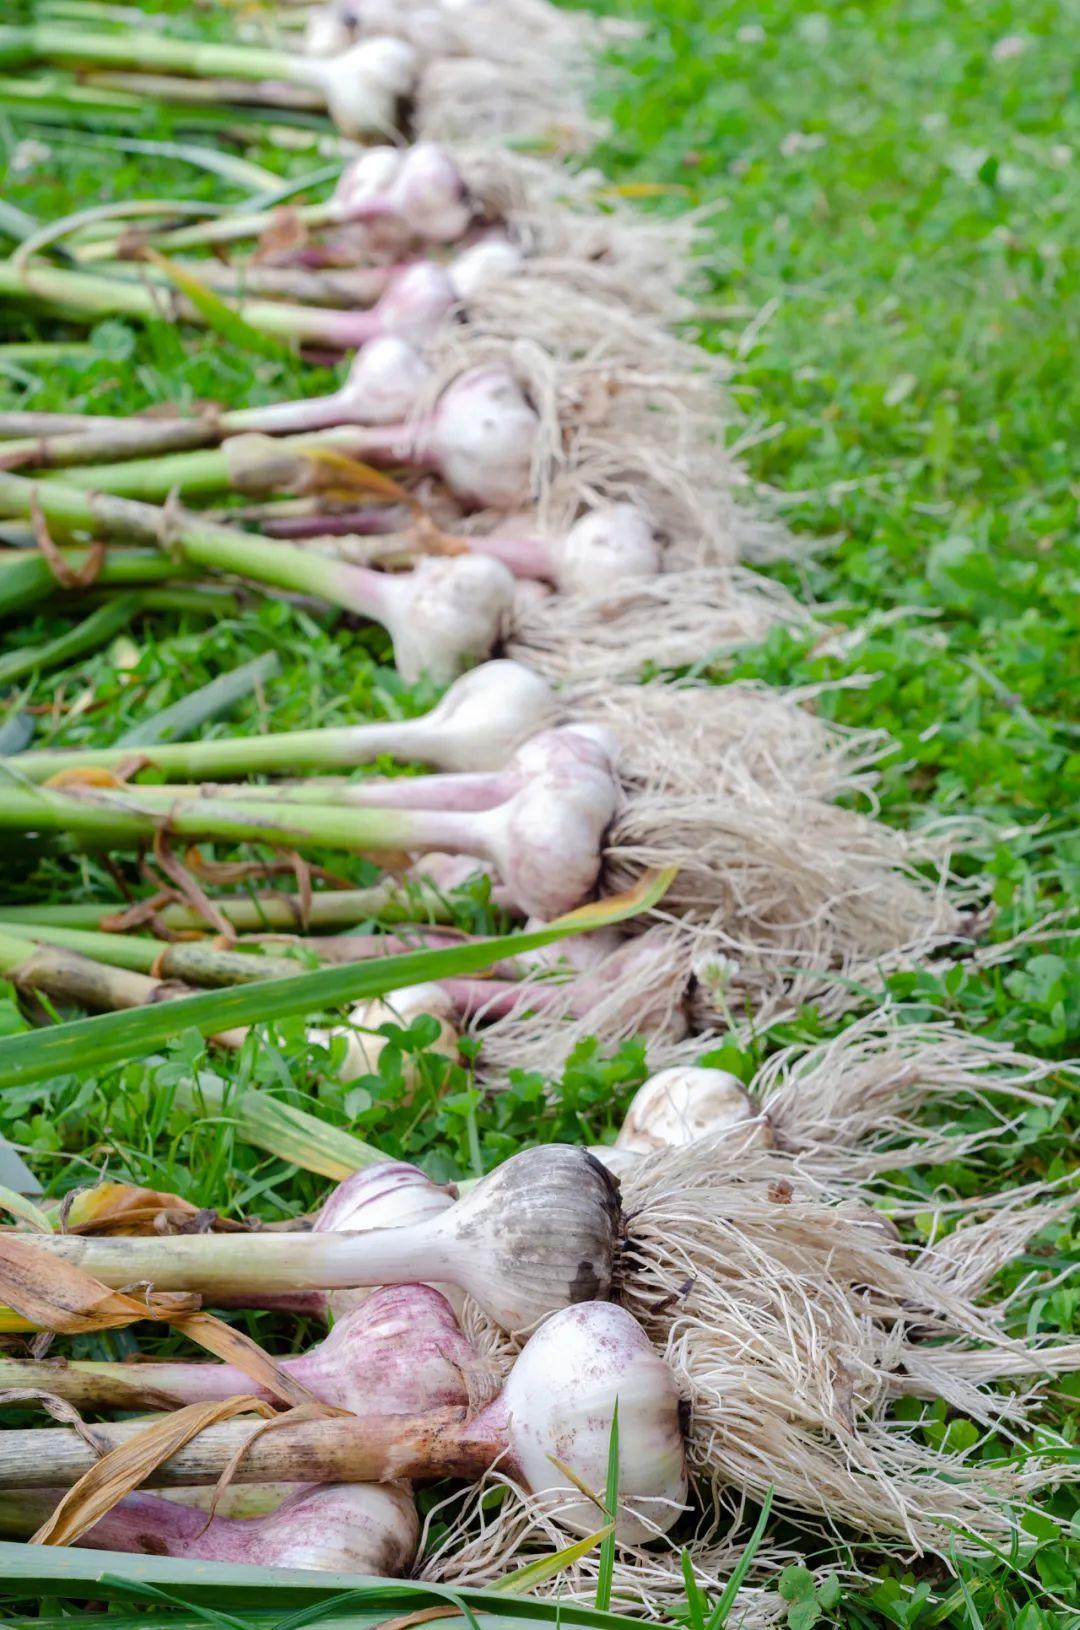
546, 1567
352, 1601
113, 1038
187, 716
606, 1572
217, 314
86, 636
15, 1174
283, 1130
718, 1617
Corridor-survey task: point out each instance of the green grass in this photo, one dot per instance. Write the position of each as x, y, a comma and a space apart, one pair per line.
892, 268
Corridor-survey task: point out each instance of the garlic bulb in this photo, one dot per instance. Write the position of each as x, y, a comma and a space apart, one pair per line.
369, 1528
383, 383
382, 1196
484, 262
559, 1400
679, 1105
483, 438
546, 841
428, 195
483, 717
417, 301
610, 545
417, 194
446, 615
364, 1044
364, 84
364, 182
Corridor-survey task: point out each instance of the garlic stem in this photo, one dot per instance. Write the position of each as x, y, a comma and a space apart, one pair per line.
331, 908
443, 617
538, 1234
475, 726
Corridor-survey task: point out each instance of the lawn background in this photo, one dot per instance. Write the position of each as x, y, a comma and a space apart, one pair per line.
891, 267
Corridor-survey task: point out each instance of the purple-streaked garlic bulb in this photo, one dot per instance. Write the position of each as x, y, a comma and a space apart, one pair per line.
367, 1528
559, 1400
418, 194
680, 1105
400, 1353
416, 303
363, 84
446, 614
546, 841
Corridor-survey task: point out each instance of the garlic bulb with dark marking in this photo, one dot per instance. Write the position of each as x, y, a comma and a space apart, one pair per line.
539, 1233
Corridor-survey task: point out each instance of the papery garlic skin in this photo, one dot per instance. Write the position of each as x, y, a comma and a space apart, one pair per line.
680, 1105
560, 1398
